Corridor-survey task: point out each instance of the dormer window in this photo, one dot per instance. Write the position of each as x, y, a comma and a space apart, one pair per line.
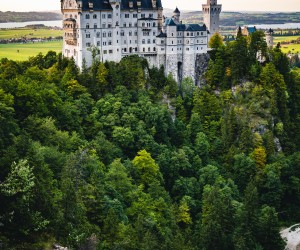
91, 5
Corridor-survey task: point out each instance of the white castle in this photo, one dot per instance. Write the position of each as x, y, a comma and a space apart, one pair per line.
119, 28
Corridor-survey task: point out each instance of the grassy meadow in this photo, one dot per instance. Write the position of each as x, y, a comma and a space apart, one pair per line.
26, 50
21, 52
287, 48
28, 33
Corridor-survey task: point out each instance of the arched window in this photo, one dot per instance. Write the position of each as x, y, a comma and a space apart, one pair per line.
87, 26
98, 34
143, 24
94, 16
87, 16
104, 34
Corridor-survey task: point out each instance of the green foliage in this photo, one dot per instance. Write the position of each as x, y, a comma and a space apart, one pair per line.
117, 156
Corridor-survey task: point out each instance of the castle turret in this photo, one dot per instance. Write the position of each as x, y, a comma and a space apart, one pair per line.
270, 38
176, 16
211, 15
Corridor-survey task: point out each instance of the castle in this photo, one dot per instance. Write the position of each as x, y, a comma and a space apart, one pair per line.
120, 28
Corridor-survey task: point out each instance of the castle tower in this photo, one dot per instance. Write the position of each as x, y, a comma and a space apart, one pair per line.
176, 15
270, 38
211, 15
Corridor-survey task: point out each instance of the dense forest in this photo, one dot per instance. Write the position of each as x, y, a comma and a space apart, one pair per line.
118, 156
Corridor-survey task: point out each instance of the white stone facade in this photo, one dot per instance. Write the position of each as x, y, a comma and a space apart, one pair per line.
120, 28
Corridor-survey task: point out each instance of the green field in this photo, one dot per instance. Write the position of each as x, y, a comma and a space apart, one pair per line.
287, 48
29, 33
10, 51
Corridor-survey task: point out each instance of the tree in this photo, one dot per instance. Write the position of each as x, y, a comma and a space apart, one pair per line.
147, 168
268, 230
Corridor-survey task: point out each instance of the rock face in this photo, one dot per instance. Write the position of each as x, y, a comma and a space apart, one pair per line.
292, 237
200, 68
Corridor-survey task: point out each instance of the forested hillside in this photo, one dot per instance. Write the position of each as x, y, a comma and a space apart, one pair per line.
12, 16
118, 157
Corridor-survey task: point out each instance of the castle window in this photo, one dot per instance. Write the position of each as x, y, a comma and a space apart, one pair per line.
142, 15
87, 26
201, 33
122, 33
125, 50
172, 34
188, 34
172, 49
130, 24
87, 16
154, 49
98, 43
154, 41
162, 41
172, 42
95, 26
192, 34
103, 25
109, 42
187, 49
130, 33
134, 15
143, 41
143, 24
109, 34
109, 16
98, 34
143, 49
154, 24
135, 24
126, 15
88, 44
104, 51
94, 16
104, 34
149, 49
150, 15
103, 16
117, 23
124, 24
109, 25
110, 51
154, 33
149, 41
135, 33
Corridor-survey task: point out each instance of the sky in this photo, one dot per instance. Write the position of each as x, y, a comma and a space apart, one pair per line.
235, 5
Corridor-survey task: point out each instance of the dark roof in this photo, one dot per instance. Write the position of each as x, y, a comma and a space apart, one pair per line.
146, 4
251, 29
98, 5
70, 19
176, 11
191, 27
162, 35
170, 22
105, 5
147, 18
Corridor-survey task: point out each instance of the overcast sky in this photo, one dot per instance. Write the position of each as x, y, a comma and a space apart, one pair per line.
249, 5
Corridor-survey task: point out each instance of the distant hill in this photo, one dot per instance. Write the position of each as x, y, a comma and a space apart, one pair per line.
240, 18
11, 16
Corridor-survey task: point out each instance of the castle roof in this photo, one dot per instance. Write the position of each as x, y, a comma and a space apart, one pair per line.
162, 35
176, 11
105, 5
251, 29
170, 22
191, 27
